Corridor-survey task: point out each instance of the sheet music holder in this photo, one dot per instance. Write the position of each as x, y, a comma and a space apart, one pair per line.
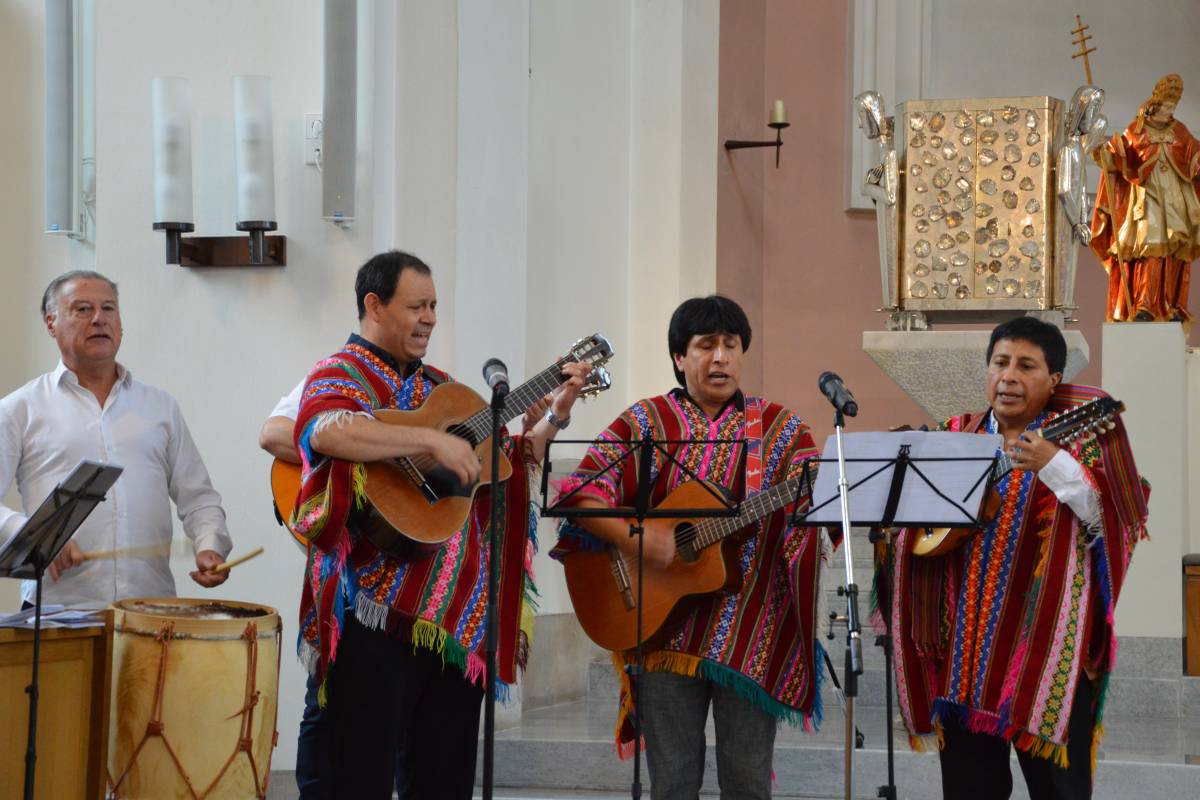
903, 479
35, 546
944, 477
648, 450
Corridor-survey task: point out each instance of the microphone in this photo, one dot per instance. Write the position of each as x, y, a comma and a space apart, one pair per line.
496, 375
832, 387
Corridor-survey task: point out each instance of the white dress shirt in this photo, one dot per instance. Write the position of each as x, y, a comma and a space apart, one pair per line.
1063, 475
289, 405
52, 423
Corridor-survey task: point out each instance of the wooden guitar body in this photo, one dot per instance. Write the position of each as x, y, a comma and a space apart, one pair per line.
607, 614
428, 512
415, 503
285, 486
428, 506
932, 542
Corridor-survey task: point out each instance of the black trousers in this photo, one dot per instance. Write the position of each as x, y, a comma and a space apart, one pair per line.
975, 765
388, 701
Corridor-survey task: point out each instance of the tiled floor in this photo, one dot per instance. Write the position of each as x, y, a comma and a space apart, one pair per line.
565, 751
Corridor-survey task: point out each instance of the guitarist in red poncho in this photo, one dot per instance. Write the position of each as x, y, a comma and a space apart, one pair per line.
1008, 640
750, 654
395, 642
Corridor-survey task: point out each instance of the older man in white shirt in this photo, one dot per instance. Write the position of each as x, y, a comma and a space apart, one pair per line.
91, 407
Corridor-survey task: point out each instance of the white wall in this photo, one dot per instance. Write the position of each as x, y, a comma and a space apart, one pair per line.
554, 162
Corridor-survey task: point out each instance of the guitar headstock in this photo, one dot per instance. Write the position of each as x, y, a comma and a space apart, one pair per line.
1090, 419
598, 380
594, 350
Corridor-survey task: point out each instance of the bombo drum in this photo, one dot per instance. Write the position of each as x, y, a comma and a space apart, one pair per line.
195, 685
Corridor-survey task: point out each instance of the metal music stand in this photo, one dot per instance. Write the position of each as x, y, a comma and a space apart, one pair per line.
646, 448
35, 546
906, 479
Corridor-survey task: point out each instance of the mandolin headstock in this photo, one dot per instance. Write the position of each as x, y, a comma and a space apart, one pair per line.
1091, 419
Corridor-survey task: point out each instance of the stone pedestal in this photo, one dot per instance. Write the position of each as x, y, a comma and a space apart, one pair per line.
945, 371
1145, 366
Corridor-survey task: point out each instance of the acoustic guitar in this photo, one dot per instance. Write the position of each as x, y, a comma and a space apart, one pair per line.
603, 583
420, 501
1083, 422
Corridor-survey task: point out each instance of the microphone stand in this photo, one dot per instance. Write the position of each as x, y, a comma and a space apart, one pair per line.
853, 662
499, 392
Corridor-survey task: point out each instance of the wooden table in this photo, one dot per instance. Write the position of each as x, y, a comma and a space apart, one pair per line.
72, 729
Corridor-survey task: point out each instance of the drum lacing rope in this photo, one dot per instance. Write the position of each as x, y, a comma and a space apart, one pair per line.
245, 743
154, 727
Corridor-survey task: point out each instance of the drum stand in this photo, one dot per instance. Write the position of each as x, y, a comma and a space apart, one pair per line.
34, 548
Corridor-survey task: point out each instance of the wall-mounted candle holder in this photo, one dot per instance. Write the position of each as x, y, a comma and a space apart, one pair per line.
778, 122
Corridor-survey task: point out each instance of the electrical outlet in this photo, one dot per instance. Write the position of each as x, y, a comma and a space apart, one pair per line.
313, 138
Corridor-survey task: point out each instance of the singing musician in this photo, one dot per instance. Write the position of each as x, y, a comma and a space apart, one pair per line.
751, 655
1008, 640
314, 776
397, 644
91, 407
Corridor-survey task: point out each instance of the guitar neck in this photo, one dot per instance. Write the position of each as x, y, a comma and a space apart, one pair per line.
518, 401
1062, 427
711, 531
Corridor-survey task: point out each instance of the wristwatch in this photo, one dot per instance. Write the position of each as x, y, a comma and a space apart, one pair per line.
561, 424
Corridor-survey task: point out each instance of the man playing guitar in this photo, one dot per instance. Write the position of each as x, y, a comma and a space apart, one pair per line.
396, 643
751, 652
1009, 637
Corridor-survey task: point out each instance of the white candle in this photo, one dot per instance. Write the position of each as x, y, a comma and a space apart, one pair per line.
254, 148
778, 113
171, 109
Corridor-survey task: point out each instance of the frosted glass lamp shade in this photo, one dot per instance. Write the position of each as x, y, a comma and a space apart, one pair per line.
171, 99
254, 151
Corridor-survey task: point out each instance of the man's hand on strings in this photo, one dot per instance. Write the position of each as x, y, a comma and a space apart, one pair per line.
1030, 451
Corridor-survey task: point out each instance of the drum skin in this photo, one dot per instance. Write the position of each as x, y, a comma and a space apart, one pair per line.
180, 724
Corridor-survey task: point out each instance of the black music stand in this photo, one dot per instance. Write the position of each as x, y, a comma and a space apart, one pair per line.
35, 546
894, 490
637, 514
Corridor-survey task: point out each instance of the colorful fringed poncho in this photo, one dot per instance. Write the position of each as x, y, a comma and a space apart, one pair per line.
762, 640
1000, 631
438, 599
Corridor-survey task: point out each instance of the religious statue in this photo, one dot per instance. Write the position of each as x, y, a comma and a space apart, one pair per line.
882, 185
1086, 129
1146, 227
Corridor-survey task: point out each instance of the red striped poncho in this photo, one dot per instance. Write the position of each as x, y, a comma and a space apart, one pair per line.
438, 600
761, 640
1000, 631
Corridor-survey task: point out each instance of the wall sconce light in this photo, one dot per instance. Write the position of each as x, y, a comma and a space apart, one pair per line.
171, 98
778, 122
255, 160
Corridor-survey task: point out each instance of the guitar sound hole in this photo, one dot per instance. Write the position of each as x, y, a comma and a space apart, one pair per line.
685, 542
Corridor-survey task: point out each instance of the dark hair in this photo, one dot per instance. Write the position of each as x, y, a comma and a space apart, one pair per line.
381, 274
50, 296
1030, 329
701, 316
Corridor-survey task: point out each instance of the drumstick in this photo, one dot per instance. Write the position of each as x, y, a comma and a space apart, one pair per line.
149, 551
228, 565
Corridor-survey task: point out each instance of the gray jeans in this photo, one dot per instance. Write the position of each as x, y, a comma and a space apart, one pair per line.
674, 711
